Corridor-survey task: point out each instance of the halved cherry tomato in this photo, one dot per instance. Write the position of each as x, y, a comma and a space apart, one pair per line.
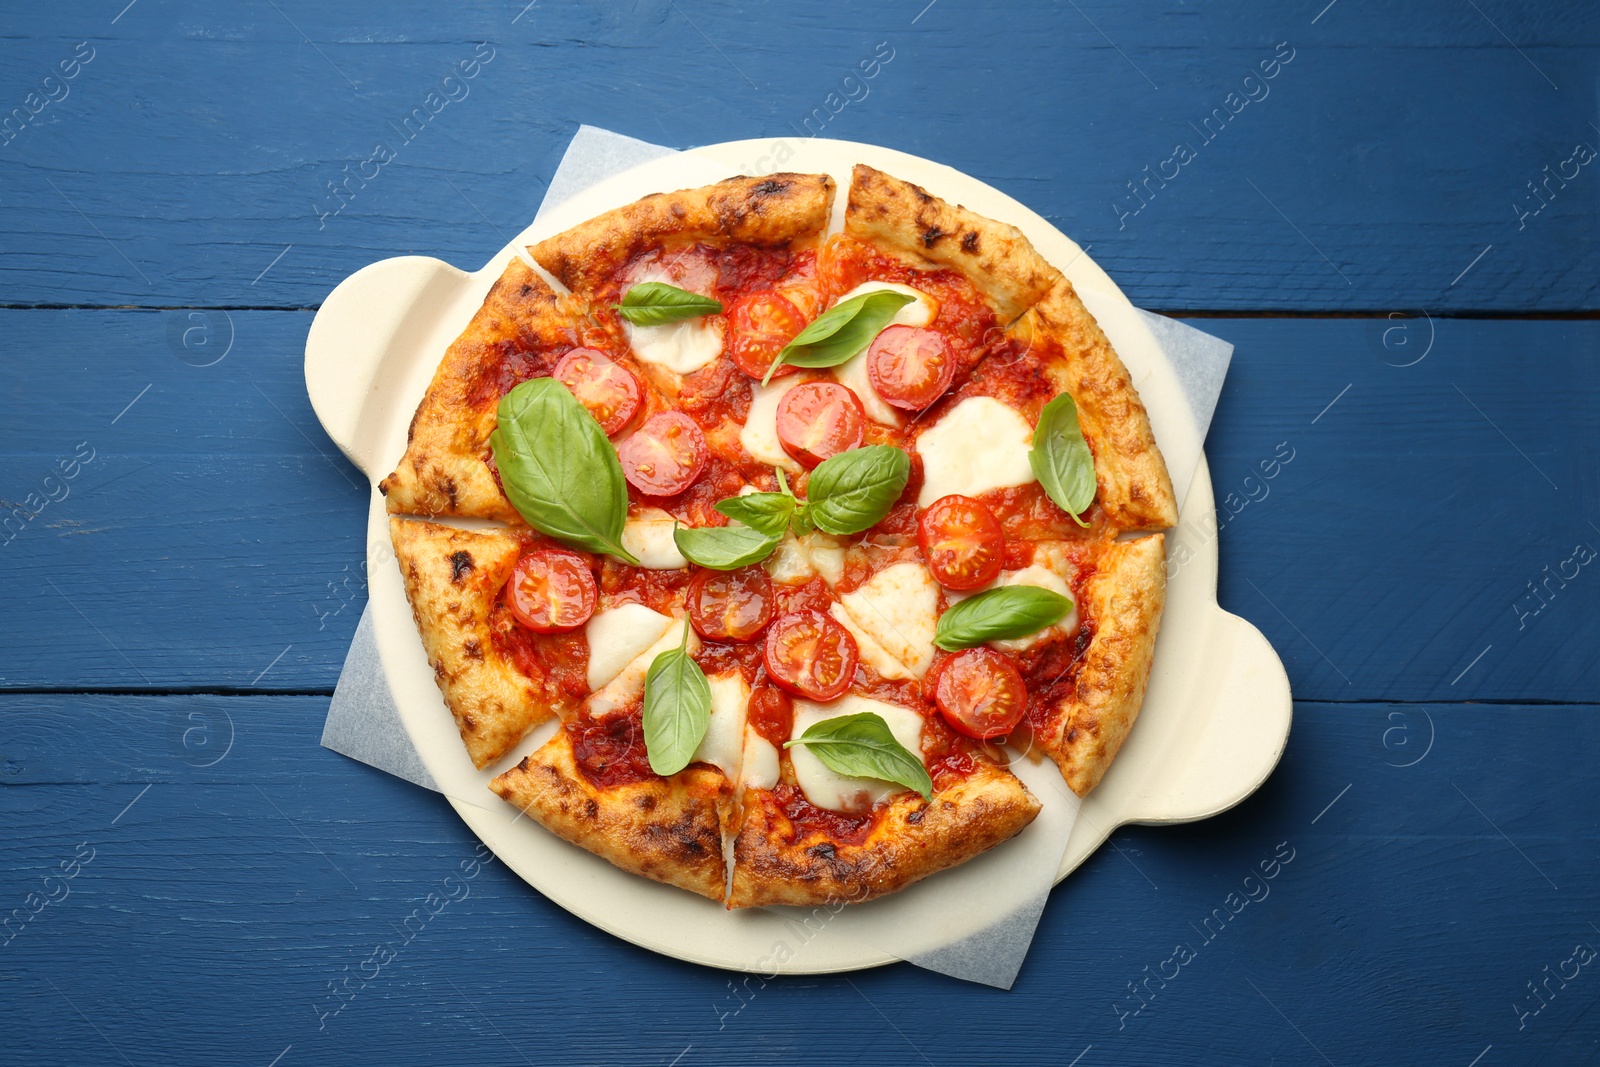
811, 655
962, 541
981, 693
665, 455
819, 419
730, 605
910, 367
759, 325
608, 390
551, 591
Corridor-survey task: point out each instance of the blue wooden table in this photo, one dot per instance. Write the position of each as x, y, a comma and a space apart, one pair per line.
1391, 212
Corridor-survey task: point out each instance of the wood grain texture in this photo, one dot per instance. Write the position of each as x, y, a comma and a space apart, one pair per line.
200, 142
230, 896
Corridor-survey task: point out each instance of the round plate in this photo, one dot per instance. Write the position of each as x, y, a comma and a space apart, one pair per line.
1216, 713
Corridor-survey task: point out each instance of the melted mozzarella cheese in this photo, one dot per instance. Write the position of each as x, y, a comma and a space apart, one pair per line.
872, 654
759, 768
628, 685
760, 434
682, 347
898, 608
839, 792
853, 372
648, 535
981, 444
723, 744
827, 556
618, 635
789, 564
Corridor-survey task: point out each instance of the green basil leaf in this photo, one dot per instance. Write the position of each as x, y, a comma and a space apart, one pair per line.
841, 331
854, 490
725, 548
1007, 612
767, 512
1061, 459
558, 468
657, 303
677, 710
863, 746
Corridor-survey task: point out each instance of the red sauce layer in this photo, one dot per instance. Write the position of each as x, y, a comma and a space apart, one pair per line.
806, 820
611, 751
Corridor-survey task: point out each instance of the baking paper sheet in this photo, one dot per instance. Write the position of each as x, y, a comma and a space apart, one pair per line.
933, 924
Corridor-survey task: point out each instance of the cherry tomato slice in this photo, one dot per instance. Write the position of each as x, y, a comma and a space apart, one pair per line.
811, 655
819, 419
962, 542
665, 455
910, 367
551, 591
730, 605
981, 693
759, 326
608, 390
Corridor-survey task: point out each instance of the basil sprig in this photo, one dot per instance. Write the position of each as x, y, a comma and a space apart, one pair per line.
1061, 459
725, 548
840, 332
768, 512
677, 709
863, 746
1007, 612
559, 469
854, 490
657, 303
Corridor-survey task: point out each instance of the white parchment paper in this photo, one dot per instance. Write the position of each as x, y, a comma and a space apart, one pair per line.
974, 922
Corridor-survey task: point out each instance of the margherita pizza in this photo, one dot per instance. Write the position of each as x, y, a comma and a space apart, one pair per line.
796, 530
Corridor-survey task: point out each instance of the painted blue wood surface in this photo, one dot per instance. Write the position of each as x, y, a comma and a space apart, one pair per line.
1394, 148
1415, 563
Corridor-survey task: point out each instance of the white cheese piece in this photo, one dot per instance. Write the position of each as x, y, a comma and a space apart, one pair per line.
789, 563
723, 745
759, 768
898, 608
853, 372
682, 347
760, 434
648, 535
981, 444
872, 653
628, 685
838, 792
617, 635
827, 556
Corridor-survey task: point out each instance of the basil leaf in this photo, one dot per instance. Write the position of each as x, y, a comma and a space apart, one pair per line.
558, 468
677, 710
863, 746
1061, 459
657, 303
725, 548
1010, 611
854, 490
841, 331
767, 512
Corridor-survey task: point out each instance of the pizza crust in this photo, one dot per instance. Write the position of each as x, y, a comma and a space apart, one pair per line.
666, 829
1135, 488
443, 470
774, 211
909, 840
929, 233
452, 578
1123, 598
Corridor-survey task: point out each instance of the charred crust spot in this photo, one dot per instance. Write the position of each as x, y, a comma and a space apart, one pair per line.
525, 289
472, 649
823, 851
646, 802
591, 810
770, 187
969, 242
921, 194
468, 723
450, 491
1072, 735
915, 817
931, 235
460, 564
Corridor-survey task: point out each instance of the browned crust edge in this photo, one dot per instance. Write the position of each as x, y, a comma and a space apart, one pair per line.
442, 471
928, 233
452, 578
912, 839
666, 829
772, 211
1077, 357
1124, 597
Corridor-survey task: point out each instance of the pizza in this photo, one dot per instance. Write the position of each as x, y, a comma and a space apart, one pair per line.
797, 534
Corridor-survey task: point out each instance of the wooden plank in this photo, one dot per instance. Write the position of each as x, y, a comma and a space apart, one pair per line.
240, 890
1389, 164
216, 529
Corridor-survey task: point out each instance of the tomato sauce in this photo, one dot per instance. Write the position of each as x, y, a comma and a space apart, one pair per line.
720, 657
806, 820
505, 364
659, 590
611, 751
771, 712
558, 664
